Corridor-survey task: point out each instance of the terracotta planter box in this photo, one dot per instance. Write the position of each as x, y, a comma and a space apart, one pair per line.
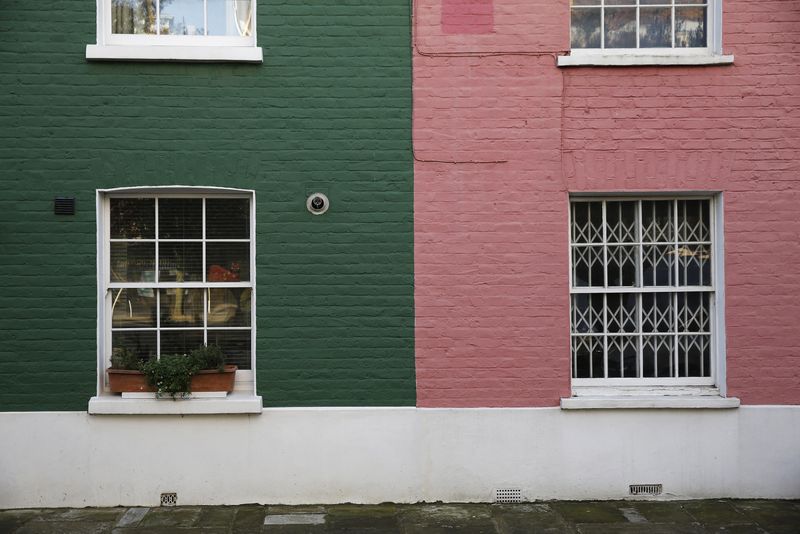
125, 381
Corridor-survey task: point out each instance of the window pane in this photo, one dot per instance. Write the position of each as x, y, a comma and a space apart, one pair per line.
235, 344
658, 356
585, 28
657, 312
693, 218
180, 341
230, 17
182, 17
622, 266
620, 30
228, 262
133, 262
621, 312
228, 218
133, 308
180, 262
587, 222
694, 355
658, 265
587, 266
143, 344
623, 361
694, 265
655, 27
693, 312
180, 218
133, 218
690, 27
587, 357
587, 313
229, 306
621, 222
133, 16
182, 307
657, 225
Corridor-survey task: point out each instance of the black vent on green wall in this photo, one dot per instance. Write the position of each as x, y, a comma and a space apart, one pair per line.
64, 206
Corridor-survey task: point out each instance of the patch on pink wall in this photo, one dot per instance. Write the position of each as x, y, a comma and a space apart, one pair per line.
467, 16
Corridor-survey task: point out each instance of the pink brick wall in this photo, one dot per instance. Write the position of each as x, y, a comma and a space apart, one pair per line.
501, 138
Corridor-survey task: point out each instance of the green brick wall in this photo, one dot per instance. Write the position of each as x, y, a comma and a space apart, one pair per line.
328, 110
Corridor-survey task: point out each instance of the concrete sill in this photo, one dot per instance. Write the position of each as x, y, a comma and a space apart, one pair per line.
642, 60
608, 402
208, 54
235, 403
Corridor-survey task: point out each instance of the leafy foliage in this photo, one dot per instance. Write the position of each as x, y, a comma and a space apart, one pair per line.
172, 373
209, 357
122, 358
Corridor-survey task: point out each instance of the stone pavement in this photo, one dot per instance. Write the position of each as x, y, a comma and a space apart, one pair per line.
601, 517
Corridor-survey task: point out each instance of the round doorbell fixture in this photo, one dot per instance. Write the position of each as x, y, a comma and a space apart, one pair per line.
317, 203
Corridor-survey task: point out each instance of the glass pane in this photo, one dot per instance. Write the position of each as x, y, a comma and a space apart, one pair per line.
180, 341
657, 225
690, 27
182, 307
585, 28
228, 262
133, 218
657, 312
180, 262
622, 266
693, 313
229, 306
133, 16
182, 17
587, 357
587, 222
694, 265
657, 357
143, 344
693, 218
623, 361
587, 266
133, 308
133, 262
235, 344
621, 222
230, 17
228, 218
694, 355
655, 27
585, 2
620, 30
621, 312
658, 265
587, 313
180, 218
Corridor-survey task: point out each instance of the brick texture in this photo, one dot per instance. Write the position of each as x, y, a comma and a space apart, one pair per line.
329, 110
502, 136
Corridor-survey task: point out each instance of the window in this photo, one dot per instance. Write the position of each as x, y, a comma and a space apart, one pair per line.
200, 30
640, 32
176, 271
644, 296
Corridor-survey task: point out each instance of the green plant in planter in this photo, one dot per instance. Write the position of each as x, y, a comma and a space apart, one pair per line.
209, 357
122, 358
171, 374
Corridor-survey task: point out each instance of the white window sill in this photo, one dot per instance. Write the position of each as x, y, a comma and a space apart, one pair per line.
611, 402
234, 403
244, 54
640, 60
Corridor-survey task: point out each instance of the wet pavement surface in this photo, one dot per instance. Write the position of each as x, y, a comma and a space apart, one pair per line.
589, 517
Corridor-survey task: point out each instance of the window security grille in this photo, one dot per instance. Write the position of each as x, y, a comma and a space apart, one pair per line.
646, 489
507, 495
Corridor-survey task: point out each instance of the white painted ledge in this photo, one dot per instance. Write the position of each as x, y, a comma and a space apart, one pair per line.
235, 403
642, 60
243, 54
609, 402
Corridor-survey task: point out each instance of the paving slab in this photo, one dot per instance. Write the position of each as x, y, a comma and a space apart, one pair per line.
249, 519
216, 516
179, 516
716, 513
638, 528
38, 526
528, 519
132, 517
589, 512
661, 512
91, 514
770, 513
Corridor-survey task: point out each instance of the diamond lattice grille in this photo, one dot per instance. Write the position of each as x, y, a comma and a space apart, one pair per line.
642, 288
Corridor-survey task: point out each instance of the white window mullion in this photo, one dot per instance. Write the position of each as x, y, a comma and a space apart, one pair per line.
158, 17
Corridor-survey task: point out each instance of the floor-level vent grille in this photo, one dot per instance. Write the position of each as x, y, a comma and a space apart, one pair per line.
507, 495
646, 489
169, 499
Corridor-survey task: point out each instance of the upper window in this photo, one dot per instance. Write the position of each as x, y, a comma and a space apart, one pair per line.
644, 294
201, 30
645, 32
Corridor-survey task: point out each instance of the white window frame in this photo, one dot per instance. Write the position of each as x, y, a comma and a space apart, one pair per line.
244, 398
672, 392
202, 48
621, 57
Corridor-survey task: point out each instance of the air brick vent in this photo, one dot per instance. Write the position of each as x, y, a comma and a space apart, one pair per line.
646, 489
507, 495
64, 206
169, 499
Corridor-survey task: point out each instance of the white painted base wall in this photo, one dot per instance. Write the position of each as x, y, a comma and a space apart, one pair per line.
372, 455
